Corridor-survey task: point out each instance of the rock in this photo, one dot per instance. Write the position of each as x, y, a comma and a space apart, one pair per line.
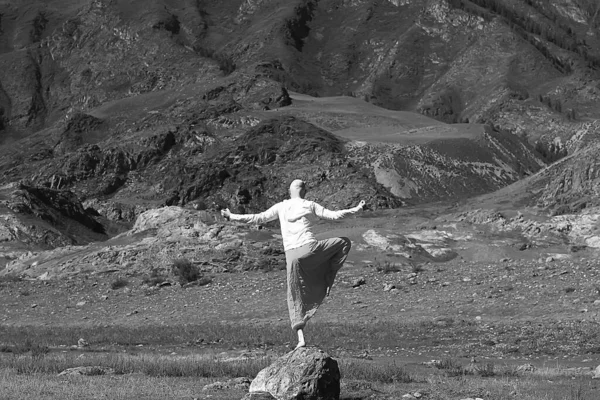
549, 259
388, 286
596, 373
82, 343
526, 368
524, 246
88, 371
358, 282
258, 396
305, 373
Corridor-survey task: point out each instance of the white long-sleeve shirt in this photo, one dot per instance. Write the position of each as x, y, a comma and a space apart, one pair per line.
295, 219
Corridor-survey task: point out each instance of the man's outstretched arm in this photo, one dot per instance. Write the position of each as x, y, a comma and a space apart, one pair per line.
270, 215
324, 213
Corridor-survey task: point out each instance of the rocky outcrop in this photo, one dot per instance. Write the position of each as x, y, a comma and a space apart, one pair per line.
305, 373
52, 206
160, 237
33, 218
576, 229
247, 174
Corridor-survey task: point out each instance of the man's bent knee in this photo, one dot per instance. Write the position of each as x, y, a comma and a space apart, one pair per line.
347, 244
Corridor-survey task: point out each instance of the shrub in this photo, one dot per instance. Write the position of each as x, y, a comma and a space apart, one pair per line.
10, 278
451, 368
156, 277
387, 267
119, 283
416, 268
185, 271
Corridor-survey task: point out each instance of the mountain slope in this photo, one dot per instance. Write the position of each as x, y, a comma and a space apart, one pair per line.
127, 106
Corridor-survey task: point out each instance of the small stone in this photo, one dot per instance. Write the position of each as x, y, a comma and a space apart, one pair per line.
34, 305
596, 373
388, 286
466, 279
358, 282
549, 259
80, 304
526, 368
596, 302
478, 318
408, 396
82, 343
417, 395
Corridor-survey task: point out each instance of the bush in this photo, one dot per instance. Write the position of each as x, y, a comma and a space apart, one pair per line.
119, 283
387, 267
185, 271
155, 278
10, 278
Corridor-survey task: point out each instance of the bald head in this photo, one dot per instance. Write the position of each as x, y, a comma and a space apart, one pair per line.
297, 189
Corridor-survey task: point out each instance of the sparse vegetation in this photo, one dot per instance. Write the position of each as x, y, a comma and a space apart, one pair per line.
416, 267
550, 28
185, 271
225, 62
156, 277
8, 278
387, 267
375, 372
119, 283
550, 152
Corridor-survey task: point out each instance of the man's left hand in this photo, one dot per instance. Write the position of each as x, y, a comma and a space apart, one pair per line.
226, 213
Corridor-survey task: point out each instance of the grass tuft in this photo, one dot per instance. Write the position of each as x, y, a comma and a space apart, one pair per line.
374, 372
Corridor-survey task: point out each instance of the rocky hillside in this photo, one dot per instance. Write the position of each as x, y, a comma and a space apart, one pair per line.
110, 108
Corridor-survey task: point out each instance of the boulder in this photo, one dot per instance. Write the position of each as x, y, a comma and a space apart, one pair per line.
258, 396
305, 373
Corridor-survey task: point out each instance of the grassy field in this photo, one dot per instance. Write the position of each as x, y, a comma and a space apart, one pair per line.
172, 363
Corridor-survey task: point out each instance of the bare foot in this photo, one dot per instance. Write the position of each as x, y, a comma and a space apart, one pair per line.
300, 344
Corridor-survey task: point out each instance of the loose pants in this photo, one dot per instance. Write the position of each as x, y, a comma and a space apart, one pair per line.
311, 270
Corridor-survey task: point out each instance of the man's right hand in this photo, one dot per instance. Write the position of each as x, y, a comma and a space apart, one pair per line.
226, 213
362, 204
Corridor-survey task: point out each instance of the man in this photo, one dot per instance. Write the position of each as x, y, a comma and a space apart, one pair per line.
311, 264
